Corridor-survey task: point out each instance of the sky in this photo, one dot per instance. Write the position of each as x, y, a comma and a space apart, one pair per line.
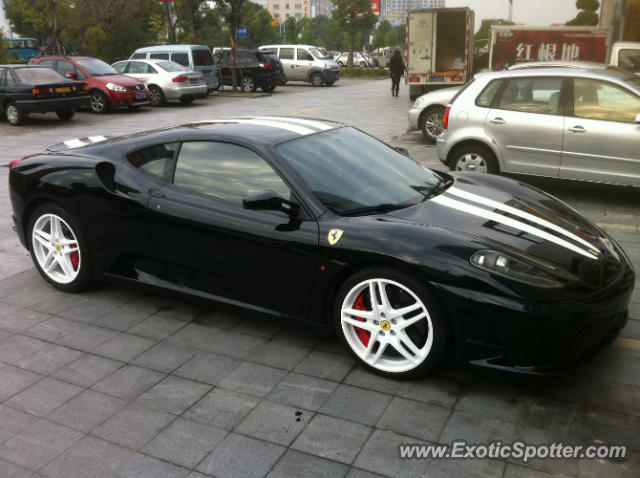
530, 12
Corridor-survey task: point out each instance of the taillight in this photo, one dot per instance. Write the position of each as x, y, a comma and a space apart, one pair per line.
14, 162
201, 77
85, 87
180, 79
35, 91
266, 66
445, 119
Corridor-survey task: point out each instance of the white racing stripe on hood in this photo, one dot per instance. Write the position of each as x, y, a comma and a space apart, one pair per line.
74, 143
499, 218
301, 121
96, 139
517, 212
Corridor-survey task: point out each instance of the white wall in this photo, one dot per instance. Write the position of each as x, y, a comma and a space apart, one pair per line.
4, 24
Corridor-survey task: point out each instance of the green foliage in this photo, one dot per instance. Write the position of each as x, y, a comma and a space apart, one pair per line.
401, 30
588, 5
40, 19
4, 46
483, 35
587, 15
259, 29
363, 72
353, 17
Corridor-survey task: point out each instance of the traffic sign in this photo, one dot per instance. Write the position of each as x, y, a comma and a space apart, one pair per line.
242, 31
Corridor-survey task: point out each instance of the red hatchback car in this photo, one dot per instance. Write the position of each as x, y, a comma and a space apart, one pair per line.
108, 88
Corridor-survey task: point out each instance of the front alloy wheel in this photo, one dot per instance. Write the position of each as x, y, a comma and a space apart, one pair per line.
391, 323
316, 79
98, 102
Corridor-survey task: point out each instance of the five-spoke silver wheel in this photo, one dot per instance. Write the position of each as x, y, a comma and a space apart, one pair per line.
387, 325
56, 248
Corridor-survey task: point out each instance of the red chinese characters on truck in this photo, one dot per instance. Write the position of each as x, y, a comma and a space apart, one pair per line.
519, 46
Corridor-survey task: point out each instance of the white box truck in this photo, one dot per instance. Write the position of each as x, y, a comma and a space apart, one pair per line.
439, 49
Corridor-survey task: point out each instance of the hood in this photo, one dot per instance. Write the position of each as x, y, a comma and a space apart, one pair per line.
515, 218
123, 80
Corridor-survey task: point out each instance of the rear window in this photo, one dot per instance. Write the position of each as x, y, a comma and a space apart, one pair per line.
171, 66
246, 57
31, 76
202, 58
181, 58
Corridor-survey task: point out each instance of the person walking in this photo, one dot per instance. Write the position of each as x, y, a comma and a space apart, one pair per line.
396, 70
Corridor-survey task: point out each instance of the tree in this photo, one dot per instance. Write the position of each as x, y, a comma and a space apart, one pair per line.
40, 19
230, 12
353, 17
379, 39
291, 30
4, 46
259, 30
483, 35
587, 14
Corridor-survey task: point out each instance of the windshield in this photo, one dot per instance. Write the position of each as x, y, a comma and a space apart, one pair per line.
34, 76
349, 170
97, 67
171, 66
318, 54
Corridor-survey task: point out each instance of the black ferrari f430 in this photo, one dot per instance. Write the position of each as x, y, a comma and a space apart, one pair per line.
314, 221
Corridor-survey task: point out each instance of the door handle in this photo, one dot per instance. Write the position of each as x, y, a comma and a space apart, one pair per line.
578, 129
497, 121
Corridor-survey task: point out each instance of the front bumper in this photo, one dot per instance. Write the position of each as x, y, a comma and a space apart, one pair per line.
536, 337
414, 116
128, 98
53, 104
330, 75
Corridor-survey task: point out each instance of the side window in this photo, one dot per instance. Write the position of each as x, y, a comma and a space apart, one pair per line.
532, 95
182, 58
485, 98
151, 70
2, 77
157, 159
138, 56
48, 63
593, 99
121, 66
159, 56
304, 55
225, 171
137, 67
10, 80
65, 67
286, 53
629, 60
246, 57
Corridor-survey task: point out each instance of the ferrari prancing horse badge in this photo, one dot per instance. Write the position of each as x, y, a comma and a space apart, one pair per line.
334, 236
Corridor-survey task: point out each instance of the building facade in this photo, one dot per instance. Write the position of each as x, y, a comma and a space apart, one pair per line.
4, 23
623, 17
395, 11
283, 9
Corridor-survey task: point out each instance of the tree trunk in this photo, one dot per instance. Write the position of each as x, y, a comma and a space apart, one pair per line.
352, 46
234, 76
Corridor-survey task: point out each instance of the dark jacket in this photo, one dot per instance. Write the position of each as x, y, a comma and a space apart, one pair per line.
396, 65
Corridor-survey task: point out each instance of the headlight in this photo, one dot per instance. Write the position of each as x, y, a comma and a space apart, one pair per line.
503, 265
114, 87
418, 103
327, 65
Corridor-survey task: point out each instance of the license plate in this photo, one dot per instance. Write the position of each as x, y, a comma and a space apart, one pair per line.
140, 96
63, 89
436, 79
195, 81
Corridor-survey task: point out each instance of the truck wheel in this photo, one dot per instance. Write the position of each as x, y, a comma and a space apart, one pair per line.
431, 123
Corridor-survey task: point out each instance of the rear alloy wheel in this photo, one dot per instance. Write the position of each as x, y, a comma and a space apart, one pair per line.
14, 114
98, 102
65, 115
316, 79
391, 323
58, 250
474, 158
157, 96
431, 123
247, 84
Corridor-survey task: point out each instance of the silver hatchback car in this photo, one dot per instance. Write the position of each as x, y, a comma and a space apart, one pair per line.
569, 123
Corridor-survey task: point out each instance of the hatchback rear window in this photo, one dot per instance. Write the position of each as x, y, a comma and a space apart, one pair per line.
33, 76
202, 58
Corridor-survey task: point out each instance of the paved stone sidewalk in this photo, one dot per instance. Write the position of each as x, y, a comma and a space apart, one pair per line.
117, 383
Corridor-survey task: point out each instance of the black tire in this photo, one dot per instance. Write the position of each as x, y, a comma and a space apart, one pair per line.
248, 84
186, 101
431, 131
65, 115
439, 323
14, 114
269, 88
316, 79
474, 157
98, 102
156, 95
340, 64
84, 278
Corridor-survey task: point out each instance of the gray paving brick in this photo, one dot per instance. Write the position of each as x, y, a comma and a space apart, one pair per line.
181, 310
219, 319
234, 344
414, 419
5, 334
49, 358
87, 370
124, 316
16, 319
431, 389
279, 354
38, 444
468, 468
193, 335
54, 329
128, 382
173, 394
362, 378
356, 404
331, 438
44, 396
252, 378
275, 423
476, 429
133, 426
9, 470
86, 337
302, 391
169, 444
19, 347
124, 347
13, 422
358, 473
517, 471
208, 368
302, 336
87, 310
89, 457
380, 455
326, 365
222, 408
86, 410
13, 380
156, 327
258, 326
164, 357
241, 457
143, 466
301, 465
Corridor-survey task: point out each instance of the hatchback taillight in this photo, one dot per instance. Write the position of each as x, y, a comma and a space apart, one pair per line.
266, 66
180, 79
445, 119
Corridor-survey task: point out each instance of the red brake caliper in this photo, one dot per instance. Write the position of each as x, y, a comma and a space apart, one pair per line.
364, 334
75, 257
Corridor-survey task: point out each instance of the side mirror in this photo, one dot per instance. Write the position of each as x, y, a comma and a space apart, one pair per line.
270, 201
401, 150
71, 75
638, 118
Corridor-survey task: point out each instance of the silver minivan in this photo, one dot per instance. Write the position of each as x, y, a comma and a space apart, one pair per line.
568, 123
306, 63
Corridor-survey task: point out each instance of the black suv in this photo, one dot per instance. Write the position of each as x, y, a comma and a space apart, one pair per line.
255, 69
